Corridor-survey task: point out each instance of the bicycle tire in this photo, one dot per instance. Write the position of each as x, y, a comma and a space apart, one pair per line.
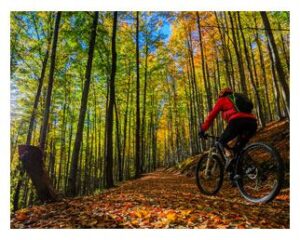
279, 173
221, 177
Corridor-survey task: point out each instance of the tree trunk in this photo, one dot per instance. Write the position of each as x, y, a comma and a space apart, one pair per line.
279, 68
38, 93
144, 110
50, 84
83, 106
137, 132
277, 107
119, 147
263, 69
238, 56
32, 159
225, 54
126, 119
203, 64
249, 66
109, 132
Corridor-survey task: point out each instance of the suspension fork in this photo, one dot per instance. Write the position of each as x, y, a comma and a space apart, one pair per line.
210, 154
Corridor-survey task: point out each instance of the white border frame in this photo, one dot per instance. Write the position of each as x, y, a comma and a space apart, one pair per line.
144, 5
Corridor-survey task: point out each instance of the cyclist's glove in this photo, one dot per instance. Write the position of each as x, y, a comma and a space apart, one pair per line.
202, 134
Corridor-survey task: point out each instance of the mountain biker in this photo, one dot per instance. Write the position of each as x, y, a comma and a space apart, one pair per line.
240, 124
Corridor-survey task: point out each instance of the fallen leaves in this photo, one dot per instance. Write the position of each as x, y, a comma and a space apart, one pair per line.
283, 197
158, 200
21, 216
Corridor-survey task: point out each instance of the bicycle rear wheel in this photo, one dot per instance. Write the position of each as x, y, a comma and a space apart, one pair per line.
259, 173
209, 174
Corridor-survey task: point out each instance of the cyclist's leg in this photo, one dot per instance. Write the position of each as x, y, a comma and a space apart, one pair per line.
229, 133
246, 129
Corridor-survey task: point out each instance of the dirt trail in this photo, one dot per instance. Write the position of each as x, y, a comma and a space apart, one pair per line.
157, 200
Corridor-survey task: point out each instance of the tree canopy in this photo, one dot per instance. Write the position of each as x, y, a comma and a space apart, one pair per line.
149, 79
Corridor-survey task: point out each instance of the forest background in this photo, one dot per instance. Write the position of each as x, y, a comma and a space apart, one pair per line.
109, 96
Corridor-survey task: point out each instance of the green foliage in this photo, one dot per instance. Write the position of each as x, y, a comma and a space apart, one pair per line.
176, 97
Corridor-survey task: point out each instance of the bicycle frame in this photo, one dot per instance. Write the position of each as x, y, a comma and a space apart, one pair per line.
216, 148
214, 163
219, 149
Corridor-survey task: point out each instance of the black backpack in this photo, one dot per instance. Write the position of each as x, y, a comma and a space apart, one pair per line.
241, 102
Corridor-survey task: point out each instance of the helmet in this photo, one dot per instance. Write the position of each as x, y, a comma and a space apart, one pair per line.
225, 91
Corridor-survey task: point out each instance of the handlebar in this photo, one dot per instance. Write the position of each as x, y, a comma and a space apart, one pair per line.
216, 138
210, 136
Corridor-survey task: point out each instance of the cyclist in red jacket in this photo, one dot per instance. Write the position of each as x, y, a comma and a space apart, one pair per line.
240, 124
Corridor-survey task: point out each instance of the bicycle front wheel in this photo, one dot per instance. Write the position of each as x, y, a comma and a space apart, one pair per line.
209, 174
259, 173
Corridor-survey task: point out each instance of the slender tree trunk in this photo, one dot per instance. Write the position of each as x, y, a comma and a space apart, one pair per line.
109, 132
67, 168
62, 146
50, 84
144, 110
197, 99
225, 54
263, 69
238, 56
38, 93
105, 129
87, 159
119, 147
249, 66
190, 114
83, 106
277, 107
279, 68
137, 133
285, 51
203, 64
126, 119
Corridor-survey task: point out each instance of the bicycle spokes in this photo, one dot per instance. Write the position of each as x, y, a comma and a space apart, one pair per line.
260, 173
209, 174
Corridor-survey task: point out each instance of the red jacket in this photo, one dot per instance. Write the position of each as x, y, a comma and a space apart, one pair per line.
229, 112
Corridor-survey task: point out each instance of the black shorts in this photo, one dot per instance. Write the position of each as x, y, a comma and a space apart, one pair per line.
243, 128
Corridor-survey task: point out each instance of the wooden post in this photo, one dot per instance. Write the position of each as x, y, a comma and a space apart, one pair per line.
32, 160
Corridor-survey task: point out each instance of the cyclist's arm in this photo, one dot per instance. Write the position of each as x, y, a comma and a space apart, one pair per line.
212, 114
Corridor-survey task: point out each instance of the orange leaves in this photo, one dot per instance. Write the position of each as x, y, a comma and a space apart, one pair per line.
283, 197
141, 213
158, 200
186, 212
171, 217
21, 216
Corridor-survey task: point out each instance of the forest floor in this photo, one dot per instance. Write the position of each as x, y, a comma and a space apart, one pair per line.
166, 199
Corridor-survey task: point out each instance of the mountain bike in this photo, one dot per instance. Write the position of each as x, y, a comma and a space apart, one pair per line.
257, 170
